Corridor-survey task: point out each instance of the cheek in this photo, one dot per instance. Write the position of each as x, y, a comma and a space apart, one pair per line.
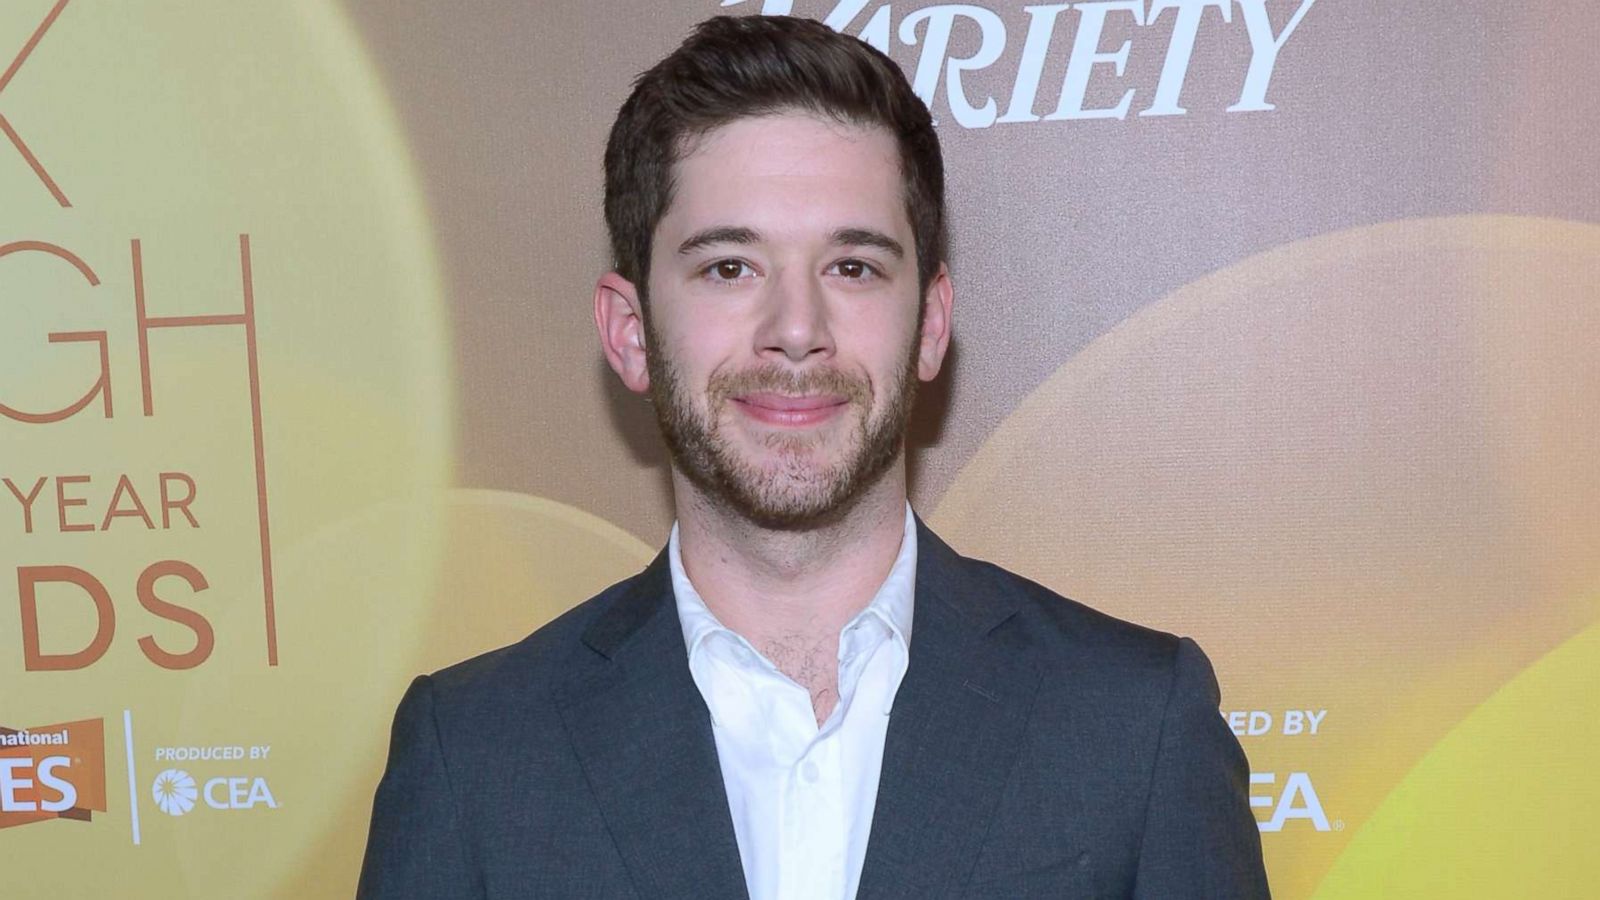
691, 345
693, 363
884, 340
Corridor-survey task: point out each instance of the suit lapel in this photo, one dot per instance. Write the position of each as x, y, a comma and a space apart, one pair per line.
957, 722
643, 735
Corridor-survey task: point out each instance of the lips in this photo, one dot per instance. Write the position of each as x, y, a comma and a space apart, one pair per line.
787, 410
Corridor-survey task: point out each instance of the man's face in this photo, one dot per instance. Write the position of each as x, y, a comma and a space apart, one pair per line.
783, 327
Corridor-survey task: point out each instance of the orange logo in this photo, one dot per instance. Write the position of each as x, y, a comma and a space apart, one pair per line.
52, 772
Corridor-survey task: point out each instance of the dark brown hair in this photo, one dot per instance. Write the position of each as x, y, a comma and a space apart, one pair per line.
733, 68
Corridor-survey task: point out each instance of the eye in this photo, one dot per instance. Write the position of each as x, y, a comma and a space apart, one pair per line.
856, 269
728, 270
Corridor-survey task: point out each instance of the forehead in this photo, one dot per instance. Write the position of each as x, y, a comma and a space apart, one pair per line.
786, 174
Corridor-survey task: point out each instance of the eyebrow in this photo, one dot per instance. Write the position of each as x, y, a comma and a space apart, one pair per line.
738, 234
720, 234
868, 237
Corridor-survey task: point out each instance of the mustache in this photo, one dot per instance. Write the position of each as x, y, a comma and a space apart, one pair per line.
779, 380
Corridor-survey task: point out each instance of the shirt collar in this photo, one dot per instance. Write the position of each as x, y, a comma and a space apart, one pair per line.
892, 604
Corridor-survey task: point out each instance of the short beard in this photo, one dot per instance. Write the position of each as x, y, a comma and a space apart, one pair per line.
799, 497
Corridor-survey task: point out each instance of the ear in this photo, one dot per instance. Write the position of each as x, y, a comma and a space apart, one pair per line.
937, 302
620, 320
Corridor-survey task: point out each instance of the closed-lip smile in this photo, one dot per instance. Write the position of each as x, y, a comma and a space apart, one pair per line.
786, 409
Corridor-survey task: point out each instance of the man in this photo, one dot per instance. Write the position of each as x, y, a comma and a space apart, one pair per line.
807, 694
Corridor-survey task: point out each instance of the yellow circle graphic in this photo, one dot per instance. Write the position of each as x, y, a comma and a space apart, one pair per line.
257, 321
1502, 806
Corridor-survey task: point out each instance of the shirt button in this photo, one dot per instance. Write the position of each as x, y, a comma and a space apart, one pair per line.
810, 772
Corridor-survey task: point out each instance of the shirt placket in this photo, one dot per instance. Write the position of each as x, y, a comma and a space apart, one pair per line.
815, 821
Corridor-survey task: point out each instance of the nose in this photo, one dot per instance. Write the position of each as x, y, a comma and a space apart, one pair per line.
795, 321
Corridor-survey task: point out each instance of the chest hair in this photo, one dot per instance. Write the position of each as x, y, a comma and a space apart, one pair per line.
812, 664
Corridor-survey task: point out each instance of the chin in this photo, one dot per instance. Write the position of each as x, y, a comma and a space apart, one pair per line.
794, 512
790, 498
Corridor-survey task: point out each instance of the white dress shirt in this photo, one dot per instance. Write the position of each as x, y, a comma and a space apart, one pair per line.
801, 796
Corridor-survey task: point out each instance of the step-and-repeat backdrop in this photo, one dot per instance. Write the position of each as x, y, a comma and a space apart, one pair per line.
1277, 326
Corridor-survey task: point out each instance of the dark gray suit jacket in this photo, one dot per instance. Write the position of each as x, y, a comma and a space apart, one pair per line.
1036, 748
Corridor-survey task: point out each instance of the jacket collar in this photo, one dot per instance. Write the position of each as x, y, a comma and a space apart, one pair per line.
955, 730
643, 734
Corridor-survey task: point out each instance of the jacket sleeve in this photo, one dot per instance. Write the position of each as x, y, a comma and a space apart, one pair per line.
415, 845
1200, 838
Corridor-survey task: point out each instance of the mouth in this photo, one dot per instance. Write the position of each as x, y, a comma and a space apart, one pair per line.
790, 411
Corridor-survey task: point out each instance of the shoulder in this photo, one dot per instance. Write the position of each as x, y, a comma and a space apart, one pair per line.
472, 743
1071, 622
1053, 626
532, 669
1119, 667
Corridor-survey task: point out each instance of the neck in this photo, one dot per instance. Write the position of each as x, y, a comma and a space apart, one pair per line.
791, 586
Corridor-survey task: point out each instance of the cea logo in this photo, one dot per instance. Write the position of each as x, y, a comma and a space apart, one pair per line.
176, 793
